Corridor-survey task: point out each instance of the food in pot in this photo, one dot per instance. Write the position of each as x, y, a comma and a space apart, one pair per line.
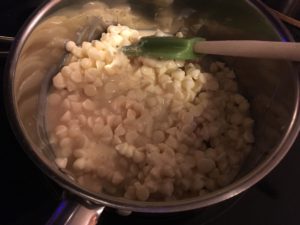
146, 129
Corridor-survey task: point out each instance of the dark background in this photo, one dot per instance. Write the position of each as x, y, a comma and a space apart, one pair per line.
28, 197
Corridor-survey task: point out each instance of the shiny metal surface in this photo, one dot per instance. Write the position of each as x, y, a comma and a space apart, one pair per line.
6, 41
288, 7
272, 88
71, 212
283, 16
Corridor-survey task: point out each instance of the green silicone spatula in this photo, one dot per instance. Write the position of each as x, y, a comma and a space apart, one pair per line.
193, 48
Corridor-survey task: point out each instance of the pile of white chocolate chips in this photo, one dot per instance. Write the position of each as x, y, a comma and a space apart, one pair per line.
146, 129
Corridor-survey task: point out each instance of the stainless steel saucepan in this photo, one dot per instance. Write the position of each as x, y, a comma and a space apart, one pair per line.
271, 86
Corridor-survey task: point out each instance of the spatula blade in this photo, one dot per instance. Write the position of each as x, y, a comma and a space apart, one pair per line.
164, 48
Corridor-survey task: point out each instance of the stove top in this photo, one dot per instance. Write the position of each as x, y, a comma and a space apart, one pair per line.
29, 197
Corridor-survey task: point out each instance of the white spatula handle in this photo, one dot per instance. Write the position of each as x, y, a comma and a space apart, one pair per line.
255, 49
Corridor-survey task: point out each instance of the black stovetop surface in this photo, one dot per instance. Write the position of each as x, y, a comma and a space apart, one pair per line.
28, 197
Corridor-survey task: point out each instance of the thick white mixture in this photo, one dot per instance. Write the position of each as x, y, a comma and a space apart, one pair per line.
143, 128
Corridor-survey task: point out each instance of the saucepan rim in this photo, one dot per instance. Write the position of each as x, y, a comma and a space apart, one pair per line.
180, 205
